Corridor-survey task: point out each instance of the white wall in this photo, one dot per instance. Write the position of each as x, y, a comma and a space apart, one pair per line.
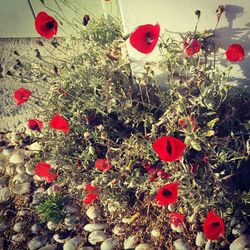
177, 16
16, 19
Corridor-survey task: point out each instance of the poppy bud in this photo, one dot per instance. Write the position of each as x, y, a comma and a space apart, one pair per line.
85, 20
91, 150
198, 13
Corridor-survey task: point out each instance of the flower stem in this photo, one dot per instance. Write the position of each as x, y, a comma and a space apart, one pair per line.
32, 9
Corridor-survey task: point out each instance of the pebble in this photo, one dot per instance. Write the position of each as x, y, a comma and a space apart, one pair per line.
93, 212
4, 225
18, 227
20, 178
49, 247
200, 239
130, 242
181, 244
93, 227
21, 188
37, 242
96, 237
62, 237
23, 212
29, 169
8, 151
240, 243
18, 238
71, 221
51, 225
155, 232
110, 244
70, 210
118, 230
35, 228
171, 207
87, 248
4, 194
144, 246
10, 170
178, 229
17, 158
4, 181
20, 169
74, 243
209, 245
35, 147
240, 228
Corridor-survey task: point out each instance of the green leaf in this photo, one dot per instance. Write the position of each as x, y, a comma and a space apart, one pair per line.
42, 1
212, 122
210, 133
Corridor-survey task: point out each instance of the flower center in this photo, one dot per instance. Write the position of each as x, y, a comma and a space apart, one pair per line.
50, 25
215, 224
149, 40
169, 147
166, 193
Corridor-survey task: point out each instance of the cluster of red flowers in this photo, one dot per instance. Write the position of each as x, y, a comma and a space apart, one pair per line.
44, 170
92, 194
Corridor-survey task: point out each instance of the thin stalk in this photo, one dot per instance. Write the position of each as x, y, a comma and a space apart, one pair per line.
32, 9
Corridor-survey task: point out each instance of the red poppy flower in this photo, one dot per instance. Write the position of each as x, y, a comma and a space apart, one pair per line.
213, 226
90, 188
22, 95
192, 47
169, 148
46, 25
145, 37
177, 218
182, 123
103, 165
90, 197
35, 124
167, 194
235, 53
59, 123
42, 169
51, 177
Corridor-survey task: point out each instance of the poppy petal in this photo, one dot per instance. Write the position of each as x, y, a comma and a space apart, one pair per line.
22, 95
167, 194
235, 53
42, 169
90, 197
145, 37
60, 123
213, 226
35, 124
169, 148
103, 165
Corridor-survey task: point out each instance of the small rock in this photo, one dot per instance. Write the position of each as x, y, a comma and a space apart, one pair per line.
35, 147
29, 169
23, 212
62, 237
93, 227
49, 247
51, 225
118, 230
10, 170
93, 212
17, 158
209, 245
20, 178
155, 232
37, 242
4, 181
18, 238
4, 225
35, 228
38, 196
200, 239
70, 210
20, 169
18, 227
171, 207
240, 228
71, 221
181, 244
110, 244
4, 194
21, 188
240, 243
144, 246
96, 236
178, 229
130, 242
74, 243
8, 151
87, 248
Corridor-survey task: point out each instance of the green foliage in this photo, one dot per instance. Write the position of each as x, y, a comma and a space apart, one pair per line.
51, 209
